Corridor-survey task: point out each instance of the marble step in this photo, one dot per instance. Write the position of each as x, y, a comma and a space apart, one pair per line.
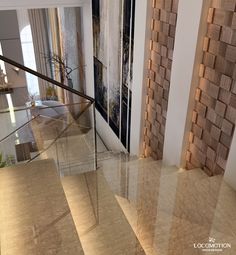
78, 167
74, 148
181, 209
154, 199
225, 206
162, 233
119, 174
161, 181
101, 225
90, 157
35, 216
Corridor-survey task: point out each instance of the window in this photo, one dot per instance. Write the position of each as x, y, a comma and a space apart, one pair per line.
29, 59
2, 63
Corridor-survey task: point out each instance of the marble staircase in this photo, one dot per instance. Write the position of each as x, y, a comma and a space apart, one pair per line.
129, 206
34, 214
168, 209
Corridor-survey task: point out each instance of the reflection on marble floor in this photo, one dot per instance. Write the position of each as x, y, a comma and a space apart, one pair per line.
101, 224
34, 215
127, 207
169, 210
75, 153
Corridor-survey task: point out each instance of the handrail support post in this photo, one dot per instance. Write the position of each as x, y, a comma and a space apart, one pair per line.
95, 138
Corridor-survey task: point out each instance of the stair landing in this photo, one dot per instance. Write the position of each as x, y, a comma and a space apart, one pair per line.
170, 210
142, 207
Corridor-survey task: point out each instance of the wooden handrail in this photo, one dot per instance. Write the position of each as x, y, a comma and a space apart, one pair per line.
44, 77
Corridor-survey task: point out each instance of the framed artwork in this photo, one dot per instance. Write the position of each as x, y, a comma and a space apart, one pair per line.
113, 40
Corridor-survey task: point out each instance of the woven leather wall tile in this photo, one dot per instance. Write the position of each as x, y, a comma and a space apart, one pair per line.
213, 125
163, 26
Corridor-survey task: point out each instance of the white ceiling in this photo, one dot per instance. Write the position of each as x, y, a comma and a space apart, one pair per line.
16, 4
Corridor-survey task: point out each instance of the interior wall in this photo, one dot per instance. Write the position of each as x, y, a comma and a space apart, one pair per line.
214, 114
9, 19
143, 10
11, 46
163, 27
108, 137
70, 28
31, 4
184, 79
230, 173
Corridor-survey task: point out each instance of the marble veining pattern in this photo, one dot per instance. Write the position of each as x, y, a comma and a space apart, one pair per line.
127, 207
174, 209
100, 222
35, 217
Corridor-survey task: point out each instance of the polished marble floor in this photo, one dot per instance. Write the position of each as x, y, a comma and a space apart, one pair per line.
128, 206
101, 225
162, 210
75, 153
34, 215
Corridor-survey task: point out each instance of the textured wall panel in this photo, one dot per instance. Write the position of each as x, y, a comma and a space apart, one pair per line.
214, 114
163, 26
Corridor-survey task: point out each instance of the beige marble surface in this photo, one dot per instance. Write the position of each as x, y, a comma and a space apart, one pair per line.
170, 210
100, 222
34, 215
127, 207
74, 154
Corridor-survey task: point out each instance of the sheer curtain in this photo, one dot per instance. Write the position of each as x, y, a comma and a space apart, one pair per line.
57, 45
46, 34
39, 28
28, 50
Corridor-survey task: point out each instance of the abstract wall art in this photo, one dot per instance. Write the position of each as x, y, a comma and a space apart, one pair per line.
113, 40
